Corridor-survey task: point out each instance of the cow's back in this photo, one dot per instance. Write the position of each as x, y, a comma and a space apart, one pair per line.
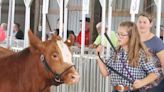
5, 51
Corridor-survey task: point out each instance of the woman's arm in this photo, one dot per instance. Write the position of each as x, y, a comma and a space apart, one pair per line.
147, 80
160, 55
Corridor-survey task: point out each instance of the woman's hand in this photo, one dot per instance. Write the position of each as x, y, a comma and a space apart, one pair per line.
151, 77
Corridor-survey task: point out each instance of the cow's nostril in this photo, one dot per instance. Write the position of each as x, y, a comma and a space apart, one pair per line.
76, 77
73, 77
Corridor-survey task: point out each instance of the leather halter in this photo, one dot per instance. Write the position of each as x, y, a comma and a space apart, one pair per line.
56, 79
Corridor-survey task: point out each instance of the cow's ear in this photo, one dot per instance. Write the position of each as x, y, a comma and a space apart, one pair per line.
35, 42
68, 42
55, 37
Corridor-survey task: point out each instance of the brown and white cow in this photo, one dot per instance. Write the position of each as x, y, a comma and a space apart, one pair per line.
37, 67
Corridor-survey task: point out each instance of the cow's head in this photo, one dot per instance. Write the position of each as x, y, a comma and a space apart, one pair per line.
57, 58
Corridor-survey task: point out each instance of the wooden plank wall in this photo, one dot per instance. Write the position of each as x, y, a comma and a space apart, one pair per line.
120, 13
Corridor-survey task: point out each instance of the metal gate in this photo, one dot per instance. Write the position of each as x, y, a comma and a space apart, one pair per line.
90, 78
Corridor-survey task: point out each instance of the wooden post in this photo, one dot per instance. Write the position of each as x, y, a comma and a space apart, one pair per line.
148, 7
96, 10
36, 15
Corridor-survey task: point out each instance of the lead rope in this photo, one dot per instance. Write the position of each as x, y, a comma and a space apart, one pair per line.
120, 74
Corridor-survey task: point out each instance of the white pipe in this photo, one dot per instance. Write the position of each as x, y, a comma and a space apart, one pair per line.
27, 26
103, 23
27, 22
43, 27
44, 12
65, 18
58, 2
109, 27
65, 22
134, 8
85, 5
83, 33
0, 10
10, 21
61, 19
133, 17
9, 24
85, 10
103, 20
109, 32
158, 18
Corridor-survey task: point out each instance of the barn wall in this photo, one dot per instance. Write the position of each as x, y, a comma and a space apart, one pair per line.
74, 13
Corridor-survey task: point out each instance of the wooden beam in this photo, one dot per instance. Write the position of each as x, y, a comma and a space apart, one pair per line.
19, 12
121, 13
54, 11
124, 13
36, 15
74, 7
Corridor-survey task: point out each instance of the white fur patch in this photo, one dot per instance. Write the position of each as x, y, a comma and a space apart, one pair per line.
66, 54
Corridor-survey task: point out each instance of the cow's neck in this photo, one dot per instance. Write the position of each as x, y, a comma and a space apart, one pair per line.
40, 72
32, 71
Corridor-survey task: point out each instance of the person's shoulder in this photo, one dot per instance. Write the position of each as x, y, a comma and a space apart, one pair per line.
157, 40
157, 43
153, 40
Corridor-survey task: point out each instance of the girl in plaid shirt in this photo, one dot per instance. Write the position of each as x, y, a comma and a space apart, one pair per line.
131, 59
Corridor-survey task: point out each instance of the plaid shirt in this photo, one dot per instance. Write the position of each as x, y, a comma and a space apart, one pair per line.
138, 72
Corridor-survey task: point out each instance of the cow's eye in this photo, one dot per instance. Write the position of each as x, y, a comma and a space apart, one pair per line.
54, 55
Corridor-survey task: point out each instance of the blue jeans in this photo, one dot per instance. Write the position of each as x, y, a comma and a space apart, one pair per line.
159, 88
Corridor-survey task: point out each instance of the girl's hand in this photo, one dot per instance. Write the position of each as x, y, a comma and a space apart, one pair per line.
138, 84
99, 49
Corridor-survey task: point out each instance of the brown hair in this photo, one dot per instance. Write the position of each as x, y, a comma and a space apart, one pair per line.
149, 16
134, 44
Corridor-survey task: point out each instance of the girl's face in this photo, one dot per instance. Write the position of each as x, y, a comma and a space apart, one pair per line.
143, 24
122, 35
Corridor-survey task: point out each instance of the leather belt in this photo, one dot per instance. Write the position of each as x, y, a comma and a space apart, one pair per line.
121, 88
